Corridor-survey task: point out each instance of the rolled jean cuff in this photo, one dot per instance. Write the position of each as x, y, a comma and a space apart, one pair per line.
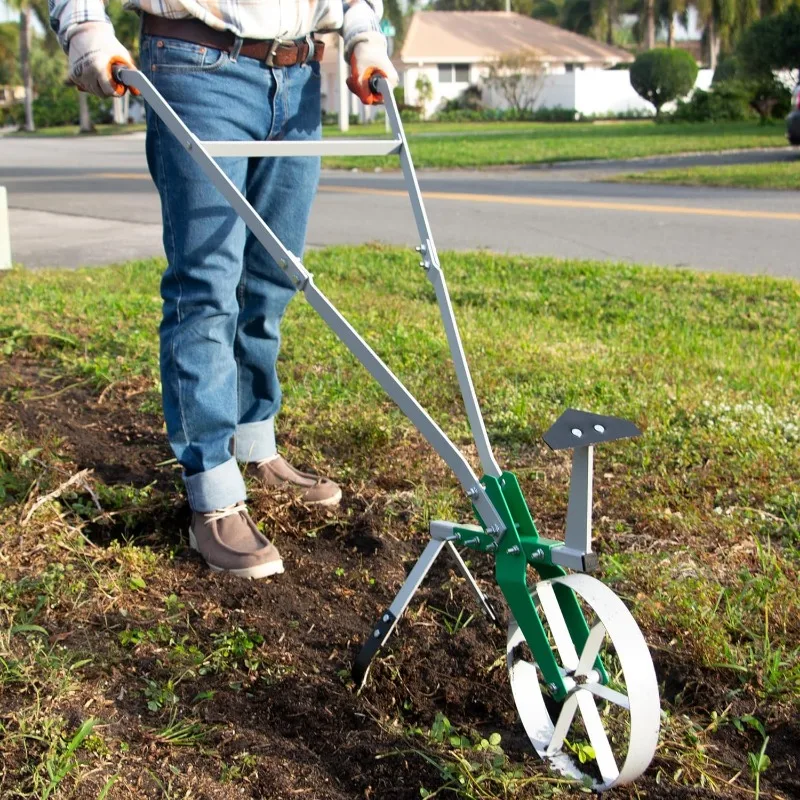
216, 488
255, 441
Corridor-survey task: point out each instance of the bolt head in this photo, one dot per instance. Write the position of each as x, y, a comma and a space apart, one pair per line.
552, 687
377, 634
385, 617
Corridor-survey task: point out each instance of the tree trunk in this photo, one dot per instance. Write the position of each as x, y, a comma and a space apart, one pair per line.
84, 114
650, 24
120, 112
713, 43
612, 15
25, 39
671, 33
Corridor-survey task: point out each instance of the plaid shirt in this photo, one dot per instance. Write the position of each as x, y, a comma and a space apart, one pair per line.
251, 19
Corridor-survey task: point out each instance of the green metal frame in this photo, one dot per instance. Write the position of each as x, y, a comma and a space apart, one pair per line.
521, 545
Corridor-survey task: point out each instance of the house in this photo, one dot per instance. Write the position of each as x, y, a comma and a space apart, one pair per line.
452, 49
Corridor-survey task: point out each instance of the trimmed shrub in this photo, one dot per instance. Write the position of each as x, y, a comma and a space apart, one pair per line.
662, 75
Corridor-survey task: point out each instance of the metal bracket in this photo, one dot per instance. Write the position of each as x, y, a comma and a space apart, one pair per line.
582, 430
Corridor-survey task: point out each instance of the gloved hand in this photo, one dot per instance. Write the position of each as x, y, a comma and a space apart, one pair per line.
93, 51
369, 57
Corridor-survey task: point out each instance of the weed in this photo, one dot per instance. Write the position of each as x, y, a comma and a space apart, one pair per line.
453, 624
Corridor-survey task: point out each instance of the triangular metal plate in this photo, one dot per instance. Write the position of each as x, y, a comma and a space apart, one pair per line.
581, 428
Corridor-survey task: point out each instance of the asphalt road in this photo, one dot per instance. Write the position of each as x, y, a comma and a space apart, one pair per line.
91, 201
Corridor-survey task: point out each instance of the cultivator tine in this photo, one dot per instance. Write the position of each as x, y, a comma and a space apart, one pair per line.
482, 599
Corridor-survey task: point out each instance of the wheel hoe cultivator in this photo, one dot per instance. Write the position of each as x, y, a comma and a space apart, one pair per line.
580, 671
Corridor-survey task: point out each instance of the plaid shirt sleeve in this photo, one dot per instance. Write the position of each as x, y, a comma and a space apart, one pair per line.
66, 14
361, 22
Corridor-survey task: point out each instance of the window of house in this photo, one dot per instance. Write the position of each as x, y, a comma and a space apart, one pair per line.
453, 73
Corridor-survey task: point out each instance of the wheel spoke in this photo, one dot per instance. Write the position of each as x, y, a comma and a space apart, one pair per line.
605, 693
604, 756
558, 626
591, 649
562, 724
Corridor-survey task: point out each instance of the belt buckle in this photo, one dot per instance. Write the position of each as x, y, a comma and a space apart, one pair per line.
270, 59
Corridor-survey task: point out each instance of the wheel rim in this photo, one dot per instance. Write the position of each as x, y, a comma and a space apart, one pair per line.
632, 713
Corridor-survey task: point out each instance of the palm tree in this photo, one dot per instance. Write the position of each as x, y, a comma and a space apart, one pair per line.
667, 11
28, 9
25, 42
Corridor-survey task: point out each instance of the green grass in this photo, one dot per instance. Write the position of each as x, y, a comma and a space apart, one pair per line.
74, 130
447, 145
698, 521
781, 175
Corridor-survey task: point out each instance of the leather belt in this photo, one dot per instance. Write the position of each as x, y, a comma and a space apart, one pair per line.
274, 52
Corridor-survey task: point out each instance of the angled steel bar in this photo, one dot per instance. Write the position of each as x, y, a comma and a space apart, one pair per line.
430, 260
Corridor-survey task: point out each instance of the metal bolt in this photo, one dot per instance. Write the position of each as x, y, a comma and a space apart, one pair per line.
385, 617
472, 491
189, 144
470, 542
552, 687
377, 634
423, 264
538, 554
512, 551
491, 547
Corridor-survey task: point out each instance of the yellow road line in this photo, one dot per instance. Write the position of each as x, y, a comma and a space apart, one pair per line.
544, 202
601, 205
125, 176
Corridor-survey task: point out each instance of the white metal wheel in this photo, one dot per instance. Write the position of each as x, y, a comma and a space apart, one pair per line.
597, 726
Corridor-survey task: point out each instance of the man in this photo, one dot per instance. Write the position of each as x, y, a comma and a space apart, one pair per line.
232, 70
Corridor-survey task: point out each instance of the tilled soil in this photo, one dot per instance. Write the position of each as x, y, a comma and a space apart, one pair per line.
297, 721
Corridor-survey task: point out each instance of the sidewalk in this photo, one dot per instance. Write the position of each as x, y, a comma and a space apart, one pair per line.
42, 239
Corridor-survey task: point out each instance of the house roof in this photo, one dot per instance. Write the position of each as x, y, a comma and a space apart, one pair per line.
437, 36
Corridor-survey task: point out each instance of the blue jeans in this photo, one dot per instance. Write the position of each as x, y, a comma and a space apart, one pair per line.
224, 296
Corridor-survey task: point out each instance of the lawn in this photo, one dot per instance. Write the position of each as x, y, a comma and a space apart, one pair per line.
493, 144
74, 130
129, 670
782, 175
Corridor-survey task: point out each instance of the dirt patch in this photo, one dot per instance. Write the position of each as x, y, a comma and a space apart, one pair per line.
293, 725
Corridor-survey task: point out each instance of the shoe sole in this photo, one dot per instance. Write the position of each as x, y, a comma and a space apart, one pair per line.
259, 571
333, 500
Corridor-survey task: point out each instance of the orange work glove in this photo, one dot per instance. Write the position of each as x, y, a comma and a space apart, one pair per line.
93, 51
370, 58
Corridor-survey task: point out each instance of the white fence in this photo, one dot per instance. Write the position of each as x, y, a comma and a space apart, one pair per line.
592, 92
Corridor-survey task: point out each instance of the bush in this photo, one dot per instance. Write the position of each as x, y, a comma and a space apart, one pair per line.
471, 99
728, 69
736, 100
726, 102
662, 75
508, 115
769, 98
58, 105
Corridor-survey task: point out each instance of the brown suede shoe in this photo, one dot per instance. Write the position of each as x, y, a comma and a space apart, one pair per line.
229, 541
311, 488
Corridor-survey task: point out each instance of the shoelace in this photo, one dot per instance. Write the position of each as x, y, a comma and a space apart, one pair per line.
228, 511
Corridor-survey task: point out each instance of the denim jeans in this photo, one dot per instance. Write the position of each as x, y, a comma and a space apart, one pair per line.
224, 296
